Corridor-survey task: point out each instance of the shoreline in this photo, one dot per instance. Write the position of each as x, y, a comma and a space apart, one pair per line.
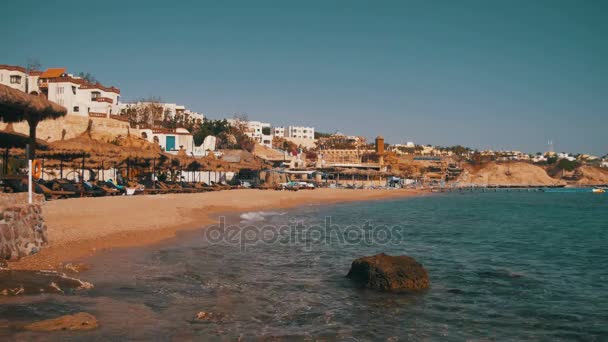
80, 227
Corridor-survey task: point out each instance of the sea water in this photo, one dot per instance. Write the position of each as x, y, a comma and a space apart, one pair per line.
502, 266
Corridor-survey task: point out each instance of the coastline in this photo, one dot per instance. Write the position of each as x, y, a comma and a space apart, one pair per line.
80, 227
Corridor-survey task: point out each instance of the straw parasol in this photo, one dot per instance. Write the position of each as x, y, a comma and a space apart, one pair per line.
11, 139
84, 143
16, 106
138, 148
83, 146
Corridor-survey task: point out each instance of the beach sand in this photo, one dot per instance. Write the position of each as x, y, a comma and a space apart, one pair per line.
79, 227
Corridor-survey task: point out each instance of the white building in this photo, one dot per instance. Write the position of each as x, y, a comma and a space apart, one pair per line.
261, 132
298, 132
15, 77
169, 109
279, 132
170, 140
566, 156
78, 96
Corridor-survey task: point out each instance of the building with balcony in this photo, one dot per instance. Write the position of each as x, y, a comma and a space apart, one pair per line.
77, 95
298, 132
260, 132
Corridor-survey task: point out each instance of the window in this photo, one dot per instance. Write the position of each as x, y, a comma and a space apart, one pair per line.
95, 94
74, 90
15, 79
59, 90
76, 109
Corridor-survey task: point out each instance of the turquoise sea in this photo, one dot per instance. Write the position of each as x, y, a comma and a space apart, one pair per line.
503, 267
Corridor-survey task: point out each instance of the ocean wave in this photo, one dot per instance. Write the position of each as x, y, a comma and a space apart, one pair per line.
258, 216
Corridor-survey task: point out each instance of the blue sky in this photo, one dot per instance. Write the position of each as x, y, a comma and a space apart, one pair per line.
485, 74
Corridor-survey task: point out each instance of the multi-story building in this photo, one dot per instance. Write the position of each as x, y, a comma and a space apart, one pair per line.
298, 132
279, 131
14, 76
261, 132
169, 110
77, 95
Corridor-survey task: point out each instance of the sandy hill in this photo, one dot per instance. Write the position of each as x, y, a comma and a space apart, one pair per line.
267, 153
511, 173
591, 175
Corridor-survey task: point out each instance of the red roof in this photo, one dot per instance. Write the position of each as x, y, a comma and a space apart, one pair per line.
53, 73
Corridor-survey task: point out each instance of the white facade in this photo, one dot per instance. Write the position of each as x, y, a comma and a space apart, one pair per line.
169, 109
255, 130
298, 132
279, 132
14, 77
78, 96
170, 140
83, 100
301, 132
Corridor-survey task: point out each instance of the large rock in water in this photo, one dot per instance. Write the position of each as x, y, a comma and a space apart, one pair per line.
18, 282
392, 273
79, 321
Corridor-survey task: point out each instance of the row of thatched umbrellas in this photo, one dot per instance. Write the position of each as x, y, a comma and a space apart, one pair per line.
17, 106
127, 152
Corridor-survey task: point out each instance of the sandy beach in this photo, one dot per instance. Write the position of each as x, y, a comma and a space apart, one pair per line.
79, 227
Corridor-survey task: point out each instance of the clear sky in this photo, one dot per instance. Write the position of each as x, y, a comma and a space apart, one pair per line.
485, 74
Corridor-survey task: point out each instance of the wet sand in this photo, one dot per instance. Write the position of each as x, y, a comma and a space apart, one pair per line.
79, 227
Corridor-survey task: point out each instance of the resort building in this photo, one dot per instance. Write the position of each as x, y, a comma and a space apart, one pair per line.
298, 132
77, 95
170, 140
169, 110
15, 77
260, 132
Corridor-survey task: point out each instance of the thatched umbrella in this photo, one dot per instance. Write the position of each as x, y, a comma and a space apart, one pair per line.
83, 146
11, 139
16, 106
134, 148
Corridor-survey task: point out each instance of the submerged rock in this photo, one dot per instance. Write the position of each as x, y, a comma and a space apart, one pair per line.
385, 272
203, 316
79, 321
18, 282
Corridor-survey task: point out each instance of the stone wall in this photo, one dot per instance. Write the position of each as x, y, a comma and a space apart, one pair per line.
22, 227
50, 130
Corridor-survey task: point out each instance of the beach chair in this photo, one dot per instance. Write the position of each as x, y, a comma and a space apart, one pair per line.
65, 185
106, 189
52, 194
167, 188
192, 187
15, 184
179, 187
109, 184
93, 190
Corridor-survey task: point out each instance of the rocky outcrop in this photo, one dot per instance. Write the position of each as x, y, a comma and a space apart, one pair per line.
22, 227
390, 273
203, 316
79, 321
14, 283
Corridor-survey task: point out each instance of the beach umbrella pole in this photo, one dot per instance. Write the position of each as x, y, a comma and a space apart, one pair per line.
29, 175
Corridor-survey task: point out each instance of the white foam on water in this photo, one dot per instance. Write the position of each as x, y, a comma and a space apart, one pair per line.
258, 216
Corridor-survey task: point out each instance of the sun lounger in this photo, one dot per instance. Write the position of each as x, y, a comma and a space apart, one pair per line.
52, 194
167, 188
108, 190
15, 184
